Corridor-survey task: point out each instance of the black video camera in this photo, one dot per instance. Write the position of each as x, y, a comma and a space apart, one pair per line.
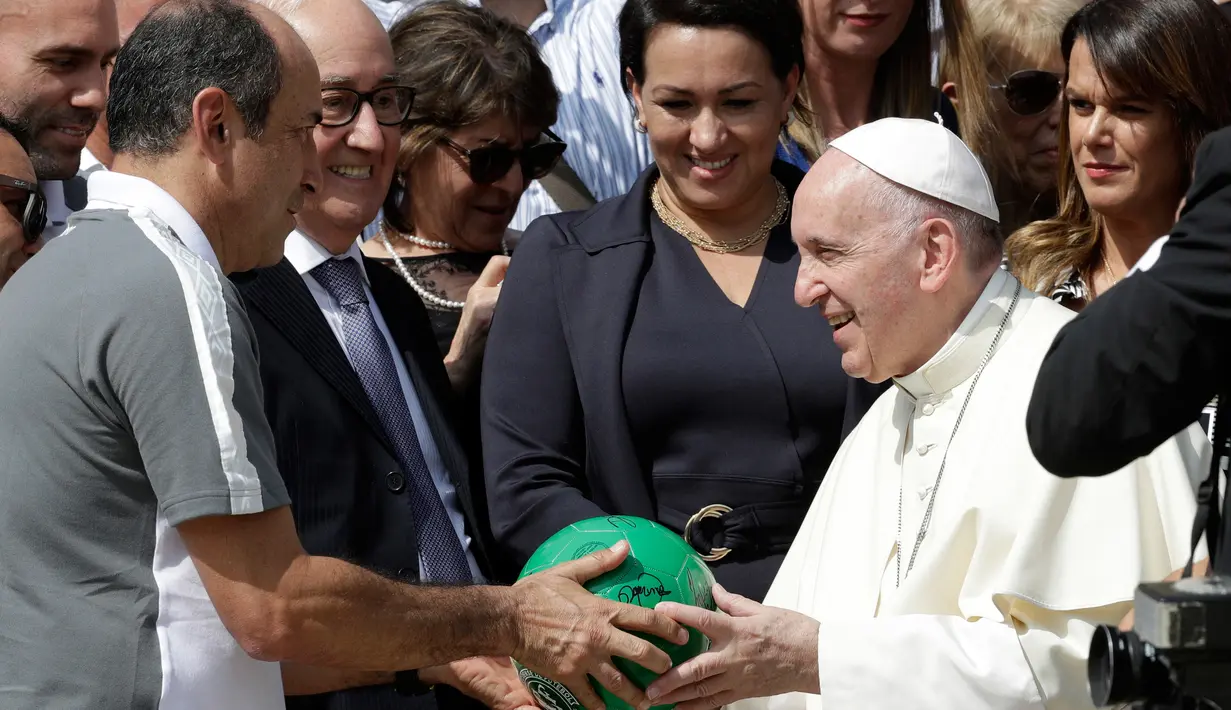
1178, 656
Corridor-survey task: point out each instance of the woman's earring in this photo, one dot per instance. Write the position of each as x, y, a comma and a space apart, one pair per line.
639, 126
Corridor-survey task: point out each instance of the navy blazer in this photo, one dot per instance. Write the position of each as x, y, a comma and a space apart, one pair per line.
557, 447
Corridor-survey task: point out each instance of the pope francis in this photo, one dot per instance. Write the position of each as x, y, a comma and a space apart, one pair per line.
940, 567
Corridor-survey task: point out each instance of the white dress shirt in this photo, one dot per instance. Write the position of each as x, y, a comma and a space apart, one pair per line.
305, 255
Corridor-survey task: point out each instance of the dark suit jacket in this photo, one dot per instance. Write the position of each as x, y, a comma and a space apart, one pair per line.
1138, 365
332, 450
575, 283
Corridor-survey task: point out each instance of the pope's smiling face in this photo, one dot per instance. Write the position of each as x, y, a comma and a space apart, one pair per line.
858, 268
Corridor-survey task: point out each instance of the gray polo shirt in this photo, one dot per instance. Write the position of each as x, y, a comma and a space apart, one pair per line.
130, 402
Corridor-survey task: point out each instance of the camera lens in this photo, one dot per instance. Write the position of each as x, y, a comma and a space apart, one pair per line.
1125, 669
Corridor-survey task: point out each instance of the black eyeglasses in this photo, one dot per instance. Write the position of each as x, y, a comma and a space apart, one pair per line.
33, 216
492, 162
391, 104
1030, 92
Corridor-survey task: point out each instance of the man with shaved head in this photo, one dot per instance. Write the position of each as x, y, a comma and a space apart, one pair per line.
148, 554
53, 79
67, 196
21, 220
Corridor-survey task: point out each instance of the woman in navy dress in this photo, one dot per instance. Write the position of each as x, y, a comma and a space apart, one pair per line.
647, 357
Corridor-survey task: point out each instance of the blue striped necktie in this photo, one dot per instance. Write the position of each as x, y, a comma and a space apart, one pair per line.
440, 550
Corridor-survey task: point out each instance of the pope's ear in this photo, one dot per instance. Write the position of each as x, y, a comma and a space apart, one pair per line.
942, 253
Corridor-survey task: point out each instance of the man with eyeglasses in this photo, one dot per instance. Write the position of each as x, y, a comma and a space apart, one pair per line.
355, 389
24, 213
147, 548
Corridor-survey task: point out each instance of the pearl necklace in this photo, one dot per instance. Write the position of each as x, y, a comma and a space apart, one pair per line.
426, 243
426, 295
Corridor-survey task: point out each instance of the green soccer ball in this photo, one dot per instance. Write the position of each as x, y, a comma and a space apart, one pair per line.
660, 567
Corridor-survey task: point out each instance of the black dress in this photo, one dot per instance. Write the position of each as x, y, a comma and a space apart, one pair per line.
425, 270
732, 406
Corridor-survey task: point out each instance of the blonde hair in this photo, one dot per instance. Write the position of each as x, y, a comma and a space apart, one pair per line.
1009, 33
902, 87
1029, 29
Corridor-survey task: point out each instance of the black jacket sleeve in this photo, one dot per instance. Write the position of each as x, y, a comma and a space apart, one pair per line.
1139, 363
531, 422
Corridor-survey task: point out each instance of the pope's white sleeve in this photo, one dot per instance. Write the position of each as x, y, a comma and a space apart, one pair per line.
930, 662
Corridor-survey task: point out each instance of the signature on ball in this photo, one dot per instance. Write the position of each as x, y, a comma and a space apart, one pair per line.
647, 590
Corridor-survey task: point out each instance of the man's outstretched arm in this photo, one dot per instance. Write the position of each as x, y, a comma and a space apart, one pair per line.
282, 604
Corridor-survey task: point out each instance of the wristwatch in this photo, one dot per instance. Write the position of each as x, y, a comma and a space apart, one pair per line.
407, 684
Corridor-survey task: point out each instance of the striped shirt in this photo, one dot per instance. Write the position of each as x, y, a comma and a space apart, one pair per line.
580, 43
132, 404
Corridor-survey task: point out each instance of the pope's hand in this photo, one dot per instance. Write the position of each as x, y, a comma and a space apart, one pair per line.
567, 634
491, 681
755, 651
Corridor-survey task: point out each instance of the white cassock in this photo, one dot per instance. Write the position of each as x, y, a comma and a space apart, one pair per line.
1017, 566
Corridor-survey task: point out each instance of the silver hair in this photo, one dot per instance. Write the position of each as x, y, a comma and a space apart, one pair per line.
981, 237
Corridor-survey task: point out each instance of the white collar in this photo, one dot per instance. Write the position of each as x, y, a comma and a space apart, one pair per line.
961, 355
53, 194
89, 163
545, 18
111, 188
306, 254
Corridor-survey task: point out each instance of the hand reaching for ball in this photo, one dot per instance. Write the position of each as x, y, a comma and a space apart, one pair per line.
491, 681
567, 634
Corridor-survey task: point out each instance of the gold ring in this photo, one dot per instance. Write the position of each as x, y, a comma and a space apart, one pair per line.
714, 510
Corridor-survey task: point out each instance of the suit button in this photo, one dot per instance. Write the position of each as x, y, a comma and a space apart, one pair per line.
928, 408
395, 481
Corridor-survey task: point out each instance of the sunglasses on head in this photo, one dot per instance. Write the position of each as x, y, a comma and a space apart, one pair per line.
33, 216
490, 163
1030, 92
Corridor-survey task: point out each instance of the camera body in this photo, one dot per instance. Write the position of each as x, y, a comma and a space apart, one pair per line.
1178, 656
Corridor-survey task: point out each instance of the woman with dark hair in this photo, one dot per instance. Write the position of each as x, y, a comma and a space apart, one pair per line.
1146, 80
476, 137
647, 357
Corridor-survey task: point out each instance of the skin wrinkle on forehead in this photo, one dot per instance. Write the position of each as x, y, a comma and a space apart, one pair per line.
14, 8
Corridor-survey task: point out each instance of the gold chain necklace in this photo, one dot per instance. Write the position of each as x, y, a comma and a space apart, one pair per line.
1107, 267
703, 242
